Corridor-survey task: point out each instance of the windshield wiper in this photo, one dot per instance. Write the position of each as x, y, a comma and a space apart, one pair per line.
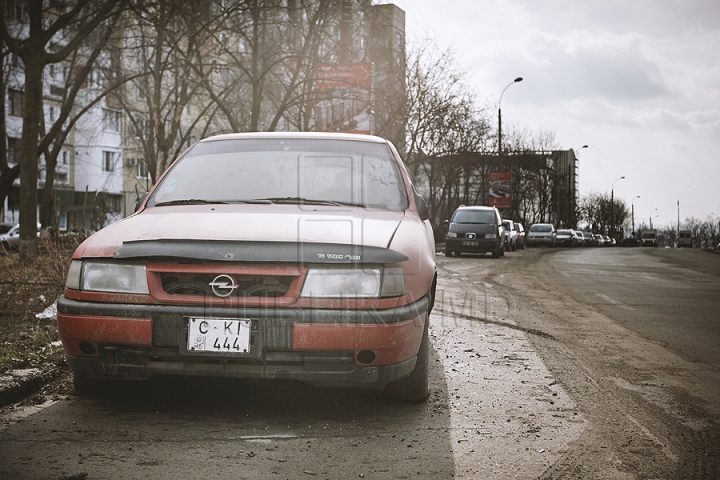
311, 201
188, 201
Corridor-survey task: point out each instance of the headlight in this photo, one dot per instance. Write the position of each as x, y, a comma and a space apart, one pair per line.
107, 277
452, 235
354, 282
490, 235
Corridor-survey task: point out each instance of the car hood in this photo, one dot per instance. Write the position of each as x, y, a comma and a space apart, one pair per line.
248, 223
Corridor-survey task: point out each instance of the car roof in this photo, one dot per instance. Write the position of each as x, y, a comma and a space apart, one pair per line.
308, 135
476, 207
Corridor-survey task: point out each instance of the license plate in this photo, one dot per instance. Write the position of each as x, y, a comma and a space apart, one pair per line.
221, 335
471, 244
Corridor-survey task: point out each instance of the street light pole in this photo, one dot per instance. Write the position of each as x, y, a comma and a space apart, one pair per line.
633, 214
651, 217
518, 79
612, 206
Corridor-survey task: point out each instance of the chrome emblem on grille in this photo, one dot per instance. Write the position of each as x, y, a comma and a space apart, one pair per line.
223, 285
470, 236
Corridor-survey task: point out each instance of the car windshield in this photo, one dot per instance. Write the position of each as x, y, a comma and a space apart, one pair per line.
474, 216
285, 170
541, 228
564, 232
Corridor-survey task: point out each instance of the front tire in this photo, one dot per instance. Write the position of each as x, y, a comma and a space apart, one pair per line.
415, 387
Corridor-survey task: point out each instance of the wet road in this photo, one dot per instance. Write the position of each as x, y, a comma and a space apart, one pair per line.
667, 295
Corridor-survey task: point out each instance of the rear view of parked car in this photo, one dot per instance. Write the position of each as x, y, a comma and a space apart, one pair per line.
476, 229
521, 234
587, 239
276, 256
511, 235
567, 238
542, 234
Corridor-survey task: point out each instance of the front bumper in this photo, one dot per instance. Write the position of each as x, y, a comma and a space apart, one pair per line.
318, 346
480, 245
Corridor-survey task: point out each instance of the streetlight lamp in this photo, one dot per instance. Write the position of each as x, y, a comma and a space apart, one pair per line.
651, 217
517, 80
633, 214
612, 206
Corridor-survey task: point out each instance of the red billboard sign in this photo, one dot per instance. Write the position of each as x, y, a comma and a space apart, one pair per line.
344, 100
343, 76
499, 190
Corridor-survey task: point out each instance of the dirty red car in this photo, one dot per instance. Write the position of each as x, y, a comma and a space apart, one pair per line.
301, 256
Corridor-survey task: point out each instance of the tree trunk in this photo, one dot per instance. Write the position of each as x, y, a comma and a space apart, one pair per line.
32, 115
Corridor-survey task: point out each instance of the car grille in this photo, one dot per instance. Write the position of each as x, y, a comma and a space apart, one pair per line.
247, 286
183, 283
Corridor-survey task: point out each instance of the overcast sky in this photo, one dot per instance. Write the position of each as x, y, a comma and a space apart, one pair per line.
638, 81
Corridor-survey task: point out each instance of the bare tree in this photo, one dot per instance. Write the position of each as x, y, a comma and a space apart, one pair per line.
263, 66
44, 36
596, 210
8, 173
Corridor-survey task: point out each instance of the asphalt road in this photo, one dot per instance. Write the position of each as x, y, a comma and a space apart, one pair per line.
671, 296
632, 337
547, 363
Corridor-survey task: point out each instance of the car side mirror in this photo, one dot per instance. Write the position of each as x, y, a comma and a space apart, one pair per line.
140, 201
422, 207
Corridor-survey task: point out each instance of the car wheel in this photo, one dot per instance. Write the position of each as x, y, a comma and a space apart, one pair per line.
448, 253
414, 387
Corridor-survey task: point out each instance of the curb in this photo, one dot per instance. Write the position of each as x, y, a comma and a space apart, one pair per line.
16, 385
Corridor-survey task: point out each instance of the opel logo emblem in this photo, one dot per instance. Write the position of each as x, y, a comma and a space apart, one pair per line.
470, 236
223, 285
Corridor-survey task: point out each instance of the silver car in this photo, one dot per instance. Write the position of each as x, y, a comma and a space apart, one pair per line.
10, 240
542, 234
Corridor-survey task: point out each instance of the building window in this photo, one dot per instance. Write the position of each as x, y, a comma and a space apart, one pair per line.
111, 120
64, 157
13, 150
62, 222
141, 128
16, 103
61, 177
142, 169
114, 203
141, 85
108, 161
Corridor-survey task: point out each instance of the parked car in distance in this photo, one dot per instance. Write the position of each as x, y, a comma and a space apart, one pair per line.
684, 239
521, 234
476, 229
580, 238
589, 239
567, 238
599, 240
302, 256
542, 234
10, 239
511, 235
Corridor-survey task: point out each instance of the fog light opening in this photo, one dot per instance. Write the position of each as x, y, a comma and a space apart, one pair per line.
87, 348
366, 357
